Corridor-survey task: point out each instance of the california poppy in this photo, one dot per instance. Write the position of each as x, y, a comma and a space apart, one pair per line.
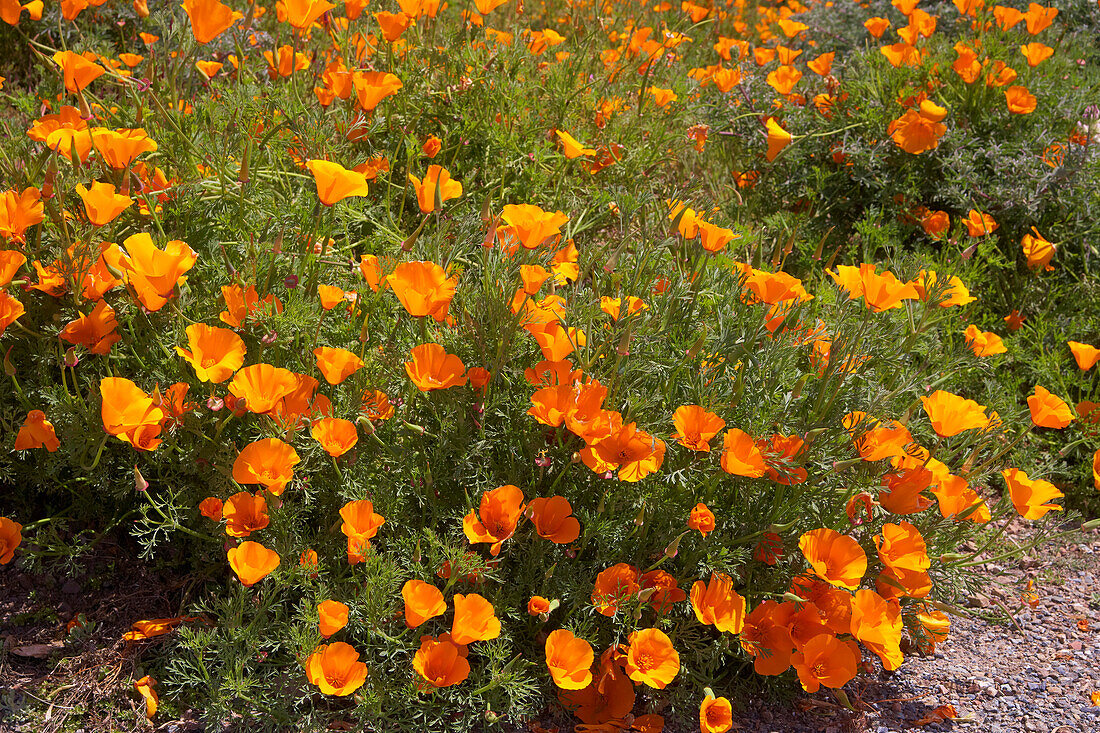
983, 343
825, 660
336, 183
530, 226
268, 461
440, 662
1030, 497
951, 414
336, 436
979, 224
101, 202
128, 413
242, 303
435, 188
433, 368
496, 518
10, 261
209, 18
252, 562
331, 617
957, 500
215, 353
702, 519
145, 687
371, 87
632, 452
663, 590
614, 586
119, 148
10, 310
303, 13
1085, 355
651, 659
553, 519
475, 619
423, 601
717, 604
153, 273
360, 526
245, 514
336, 365
423, 288
695, 427
571, 148
778, 138
335, 668
37, 432
1020, 101
876, 622
917, 131
833, 557
261, 386
11, 535
569, 660
903, 551
1037, 250
79, 70
211, 508
715, 715
1048, 410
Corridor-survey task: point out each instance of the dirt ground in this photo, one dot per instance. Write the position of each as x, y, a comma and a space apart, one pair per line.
1008, 667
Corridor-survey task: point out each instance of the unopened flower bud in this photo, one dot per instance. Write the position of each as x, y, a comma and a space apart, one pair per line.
139, 481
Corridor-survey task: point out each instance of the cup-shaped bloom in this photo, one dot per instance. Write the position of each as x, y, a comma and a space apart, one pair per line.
209, 18
835, 558
268, 461
530, 225
553, 519
435, 188
876, 622
1037, 250
244, 513
1020, 101
37, 432
393, 25
496, 519
145, 687
336, 365
152, 273
1048, 410
360, 525
336, 669
440, 662
336, 436
211, 508
371, 87
983, 343
651, 659
303, 13
335, 182
702, 519
778, 138
715, 715
1085, 355
695, 427
956, 499
951, 414
94, 331
423, 601
901, 493
252, 562
740, 456
262, 386
433, 368
101, 202
569, 660
767, 637
11, 535
331, 617
215, 353
825, 660
78, 69
423, 288
635, 453
129, 414
664, 588
475, 619
10, 310
1031, 497
614, 586
119, 148
717, 604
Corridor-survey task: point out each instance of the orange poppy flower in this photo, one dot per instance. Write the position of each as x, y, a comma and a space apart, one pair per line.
555, 340
778, 138
553, 519
252, 562
903, 551
1036, 53
956, 499
371, 87
440, 662
651, 659
331, 617
902, 491
423, 288
983, 343
435, 188
268, 461
336, 365
715, 715
1031, 497
129, 414
102, 204
433, 368
919, 130
261, 386
695, 427
331, 296
144, 687
664, 590
571, 147
211, 508
538, 606
244, 514
360, 526
11, 535
37, 432
215, 353
634, 453
10, 261
1086, 356
714, 238
303, 13
10, 310
475, 619
95, 331
335, 435
242, 303
151, 272
717, 604
614, 586
336, 183
702, 519
497, 517
423, 601
825, 660
18, 213
951, 414
530, 226
569, 660
209, 18
740, 456
1048, 410
1037, 250
119, 148
1096, 469
1020, 101
876, 26
302, 402
835, 558
393, 25
377, 405
335, 668
79, 70
609, 698
876, 622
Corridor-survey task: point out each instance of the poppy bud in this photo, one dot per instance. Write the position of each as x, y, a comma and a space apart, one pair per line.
1090, 525
139, 481
674, 547
9, 368
640, 519
214, 404
269, 338
794, 598
141, 7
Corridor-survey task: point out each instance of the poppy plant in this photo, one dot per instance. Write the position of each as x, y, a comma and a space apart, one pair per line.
336, 365
269, 462
209, 18
497, 517
335, 668
715, 714
331, 617
129, 414
702, 519
252, 562
335, 182
153, 273
951, 414
261, 386
360, 526
1085, 355
569, 660
371, 87
336, 436
614, 586
433, 368
876, 623
215, 353
145, 687
423, 601
983, 343
78, 70
440, 662
695, 427
1048, 410
825, 660
529, 225
102, 204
